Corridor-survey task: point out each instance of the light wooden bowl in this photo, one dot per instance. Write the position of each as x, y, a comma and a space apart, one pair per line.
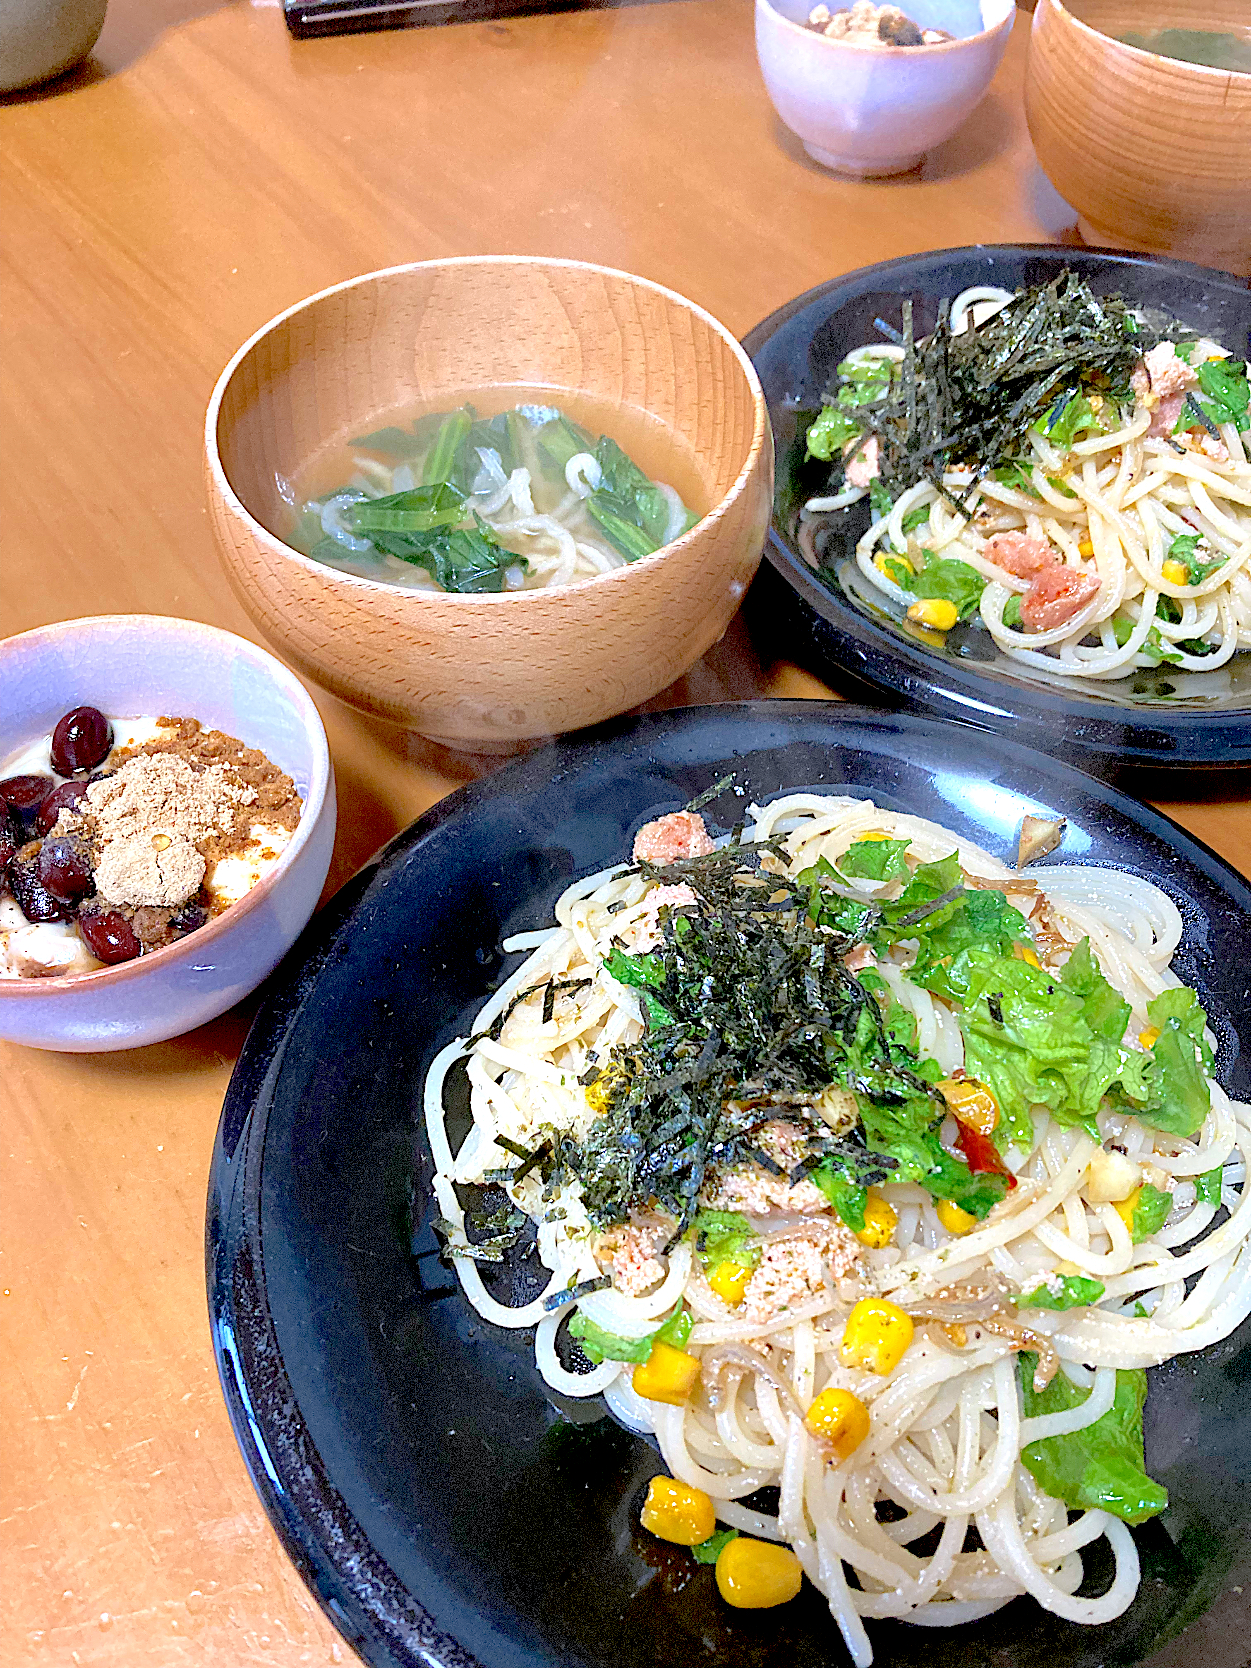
484, 671
1153, 154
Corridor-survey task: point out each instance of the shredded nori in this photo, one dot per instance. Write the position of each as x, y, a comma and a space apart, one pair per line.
970, 399
551, 988
750, 1016
571, 1293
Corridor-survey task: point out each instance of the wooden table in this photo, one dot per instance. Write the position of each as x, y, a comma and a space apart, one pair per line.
200, 173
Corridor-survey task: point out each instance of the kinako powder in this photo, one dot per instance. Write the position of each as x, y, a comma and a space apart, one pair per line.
172, 807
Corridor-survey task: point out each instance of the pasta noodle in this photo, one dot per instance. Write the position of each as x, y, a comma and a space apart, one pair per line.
946, 1425
1106, 510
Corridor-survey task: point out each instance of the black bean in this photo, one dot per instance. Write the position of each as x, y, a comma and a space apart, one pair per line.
108, 935
34, 900
81, 740
65, 868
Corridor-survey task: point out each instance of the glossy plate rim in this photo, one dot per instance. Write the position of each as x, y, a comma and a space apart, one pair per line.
849, 644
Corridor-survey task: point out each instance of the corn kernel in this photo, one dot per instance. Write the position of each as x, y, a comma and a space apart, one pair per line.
1125, 1208
1086, 548
756, 1575
1026, 952
935, 612
841, 1418
1177, 573
729, 1281
668, 1375
1150, 1036
676, 1512
873, 834
955, 1220
897, 568
971, 1102
877, 1334
879, 1222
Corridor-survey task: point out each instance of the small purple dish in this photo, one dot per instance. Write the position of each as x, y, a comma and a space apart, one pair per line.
133, 664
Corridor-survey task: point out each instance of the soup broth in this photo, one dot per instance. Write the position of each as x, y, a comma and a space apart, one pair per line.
1217, 49
500, 489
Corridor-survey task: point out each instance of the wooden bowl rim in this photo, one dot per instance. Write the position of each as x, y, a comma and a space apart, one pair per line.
1154, 63
458, 600
928, 47
319, 782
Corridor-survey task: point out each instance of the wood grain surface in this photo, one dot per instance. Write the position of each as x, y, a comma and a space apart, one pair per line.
1154, 153
200, 173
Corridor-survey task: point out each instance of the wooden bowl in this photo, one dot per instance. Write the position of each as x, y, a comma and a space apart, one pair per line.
1154, 154
484, 671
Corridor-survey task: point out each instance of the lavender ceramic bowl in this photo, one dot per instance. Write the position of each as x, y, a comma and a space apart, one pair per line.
133, 664
866, 111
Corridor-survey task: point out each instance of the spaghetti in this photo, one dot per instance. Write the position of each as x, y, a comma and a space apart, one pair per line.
1117, 534
948, 1422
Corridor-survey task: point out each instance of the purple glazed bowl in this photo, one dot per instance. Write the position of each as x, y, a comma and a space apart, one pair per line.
133, 664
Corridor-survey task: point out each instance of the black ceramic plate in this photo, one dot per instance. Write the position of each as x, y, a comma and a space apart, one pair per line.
443, 1505
1152, 718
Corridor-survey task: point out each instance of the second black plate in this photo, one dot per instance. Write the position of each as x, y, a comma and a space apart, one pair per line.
1149, 719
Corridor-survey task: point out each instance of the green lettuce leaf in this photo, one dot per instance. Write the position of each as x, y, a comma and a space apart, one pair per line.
1185, 548
707, 1552
951, 1179
929, 882
844, 1193
1208, 1186
1103, 1008
599, 1345
1075, 1291
725, 1236
907, 1131
875, 859
863, 381
1168, 1087
830, 433
899, 1022
983, 921
1150, 1213
1027, 1037
826, 907
953, 581
1067, 419
642, 973
1016, 476
1101, 1468
1224, 381
676, 1329
1157, 650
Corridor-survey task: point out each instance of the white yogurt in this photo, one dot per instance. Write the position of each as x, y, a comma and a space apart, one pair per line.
232, 878
47, 949
39, 949
36, 760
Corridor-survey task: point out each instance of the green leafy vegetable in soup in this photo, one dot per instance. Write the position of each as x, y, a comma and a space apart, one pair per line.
461, 502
